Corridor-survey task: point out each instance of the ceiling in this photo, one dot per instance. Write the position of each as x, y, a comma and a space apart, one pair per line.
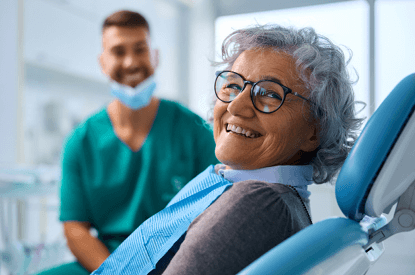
231, 7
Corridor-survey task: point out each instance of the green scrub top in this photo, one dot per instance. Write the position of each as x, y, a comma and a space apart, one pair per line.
116, 189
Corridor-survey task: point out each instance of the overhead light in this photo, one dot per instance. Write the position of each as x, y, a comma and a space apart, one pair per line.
188, 3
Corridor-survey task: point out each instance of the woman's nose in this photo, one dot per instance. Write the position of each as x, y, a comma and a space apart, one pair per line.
242, 104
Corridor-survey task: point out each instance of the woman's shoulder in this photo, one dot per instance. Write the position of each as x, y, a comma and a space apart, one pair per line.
269, 197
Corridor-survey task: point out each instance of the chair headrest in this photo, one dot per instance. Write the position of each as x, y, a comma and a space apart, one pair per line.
372, 150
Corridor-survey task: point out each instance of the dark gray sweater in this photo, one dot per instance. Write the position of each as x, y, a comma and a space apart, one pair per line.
241, 225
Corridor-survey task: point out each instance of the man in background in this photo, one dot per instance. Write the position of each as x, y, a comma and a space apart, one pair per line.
124, 163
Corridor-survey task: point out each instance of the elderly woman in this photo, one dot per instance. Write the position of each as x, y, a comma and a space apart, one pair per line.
284, 118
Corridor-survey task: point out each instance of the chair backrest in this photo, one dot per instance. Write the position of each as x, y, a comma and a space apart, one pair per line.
382, 151
379, 171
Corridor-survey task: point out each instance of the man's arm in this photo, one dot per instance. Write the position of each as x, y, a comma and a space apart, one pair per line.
89, 251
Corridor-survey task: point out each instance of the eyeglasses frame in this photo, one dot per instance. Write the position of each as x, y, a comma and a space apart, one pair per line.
253, 84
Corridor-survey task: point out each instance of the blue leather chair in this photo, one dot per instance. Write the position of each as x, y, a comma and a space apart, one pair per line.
378, 174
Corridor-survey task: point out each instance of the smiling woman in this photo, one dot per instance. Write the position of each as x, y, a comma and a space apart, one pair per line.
284, 118
277, 138
316, 69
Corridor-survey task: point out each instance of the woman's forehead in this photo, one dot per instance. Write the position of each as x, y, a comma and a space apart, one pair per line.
258, 63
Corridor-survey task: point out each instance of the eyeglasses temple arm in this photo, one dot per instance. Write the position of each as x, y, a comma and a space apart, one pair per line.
300, 96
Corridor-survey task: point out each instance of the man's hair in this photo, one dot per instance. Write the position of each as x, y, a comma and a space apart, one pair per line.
322, 67
125, 18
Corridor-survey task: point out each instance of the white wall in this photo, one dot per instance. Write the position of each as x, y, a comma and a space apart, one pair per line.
11, 67
395, 44
201, 73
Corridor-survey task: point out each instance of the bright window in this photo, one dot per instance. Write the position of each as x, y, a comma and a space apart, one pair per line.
395, 44
343, 23
347, 24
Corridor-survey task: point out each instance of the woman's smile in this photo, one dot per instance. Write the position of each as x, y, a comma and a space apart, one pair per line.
241, 131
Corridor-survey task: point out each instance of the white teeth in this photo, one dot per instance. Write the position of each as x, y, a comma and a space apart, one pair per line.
240, 130
134, 77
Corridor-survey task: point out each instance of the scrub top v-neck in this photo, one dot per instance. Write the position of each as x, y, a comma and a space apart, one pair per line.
147, 134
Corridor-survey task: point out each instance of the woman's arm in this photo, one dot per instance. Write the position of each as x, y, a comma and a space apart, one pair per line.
88, 250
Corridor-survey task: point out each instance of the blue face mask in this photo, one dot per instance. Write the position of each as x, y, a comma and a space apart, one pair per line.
134, 98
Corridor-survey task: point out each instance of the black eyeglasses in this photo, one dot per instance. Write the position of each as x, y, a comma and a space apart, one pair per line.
267, 95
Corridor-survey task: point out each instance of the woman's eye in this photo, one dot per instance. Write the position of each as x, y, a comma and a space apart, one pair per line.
233, 86
270, 94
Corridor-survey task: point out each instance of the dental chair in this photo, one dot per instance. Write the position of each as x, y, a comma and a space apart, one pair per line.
378, 174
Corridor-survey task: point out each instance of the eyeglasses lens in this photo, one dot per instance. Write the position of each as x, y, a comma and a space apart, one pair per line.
228, 86
267, 96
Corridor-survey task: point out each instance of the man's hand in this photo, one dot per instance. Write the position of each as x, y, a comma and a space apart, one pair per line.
89, 251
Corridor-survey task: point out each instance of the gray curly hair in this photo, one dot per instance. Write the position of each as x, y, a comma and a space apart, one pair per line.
322, 67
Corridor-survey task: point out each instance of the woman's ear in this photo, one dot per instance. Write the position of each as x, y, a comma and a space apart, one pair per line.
312, 140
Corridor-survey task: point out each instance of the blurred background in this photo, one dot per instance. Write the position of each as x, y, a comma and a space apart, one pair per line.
50, 81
